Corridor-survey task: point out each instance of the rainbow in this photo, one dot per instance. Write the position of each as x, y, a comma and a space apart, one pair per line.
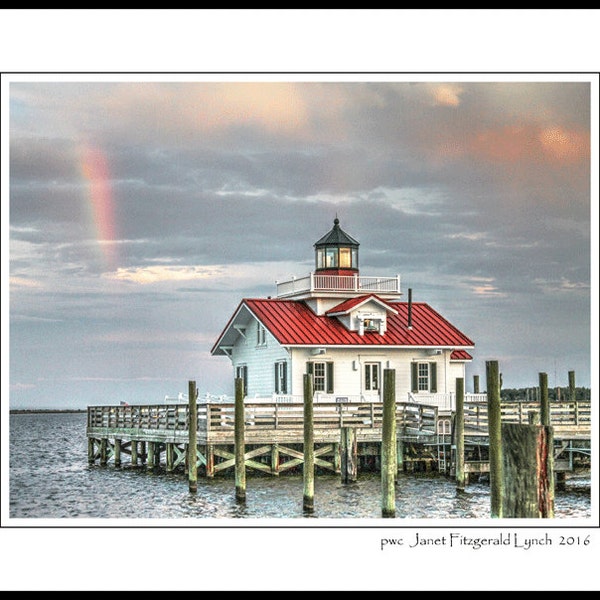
95, 172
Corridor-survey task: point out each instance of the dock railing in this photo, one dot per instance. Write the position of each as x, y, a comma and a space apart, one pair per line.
568, 418
170, 417
216, 419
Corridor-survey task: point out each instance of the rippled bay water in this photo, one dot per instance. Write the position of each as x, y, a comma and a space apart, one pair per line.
50, 479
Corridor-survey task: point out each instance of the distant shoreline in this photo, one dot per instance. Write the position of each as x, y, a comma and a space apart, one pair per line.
28, 411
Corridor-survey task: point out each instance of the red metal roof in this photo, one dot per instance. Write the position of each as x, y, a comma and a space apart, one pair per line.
293, 323
460, 355
348, 305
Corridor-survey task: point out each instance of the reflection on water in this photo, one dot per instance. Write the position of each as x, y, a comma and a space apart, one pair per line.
50, 478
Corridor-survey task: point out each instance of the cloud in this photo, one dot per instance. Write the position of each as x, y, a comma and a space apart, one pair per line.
446, 94
18, 386
155, 274
484, 287
564, 145
24, 282
518, 143
552, 286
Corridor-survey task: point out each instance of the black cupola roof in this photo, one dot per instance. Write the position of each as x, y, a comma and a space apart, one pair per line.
337, 237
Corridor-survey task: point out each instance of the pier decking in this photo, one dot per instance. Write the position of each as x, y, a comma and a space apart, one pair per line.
274, 433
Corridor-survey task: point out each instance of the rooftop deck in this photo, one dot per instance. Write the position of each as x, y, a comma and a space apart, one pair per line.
385, 286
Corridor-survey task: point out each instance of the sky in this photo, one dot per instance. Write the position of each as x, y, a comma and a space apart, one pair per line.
143, 209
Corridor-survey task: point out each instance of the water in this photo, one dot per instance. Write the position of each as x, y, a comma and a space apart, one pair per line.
50, 479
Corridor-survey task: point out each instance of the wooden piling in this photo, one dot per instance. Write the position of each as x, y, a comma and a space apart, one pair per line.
528, 486
337, 457
544, 402
117, 452
349, 455
103, 451
240, 444
388, 445
549, 459
495, 436
151, 460
169, 459
210, 460
476, 384
91, 451
134, 453
157, 452
459, 432
572, 397
275, 459
193, 437
400, 455
309, 448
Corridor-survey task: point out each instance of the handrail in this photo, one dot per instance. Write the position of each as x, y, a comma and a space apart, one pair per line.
332, 283
262, 415
259, 415
563, 415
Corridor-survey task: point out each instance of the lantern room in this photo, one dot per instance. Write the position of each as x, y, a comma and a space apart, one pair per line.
336, 253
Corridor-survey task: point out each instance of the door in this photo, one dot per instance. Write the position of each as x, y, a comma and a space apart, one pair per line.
371, 381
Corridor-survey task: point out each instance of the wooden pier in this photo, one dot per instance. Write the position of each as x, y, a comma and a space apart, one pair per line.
155, 435
570, 421
274, 433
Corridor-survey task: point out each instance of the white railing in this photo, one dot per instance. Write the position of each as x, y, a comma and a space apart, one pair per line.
444, 401
472, 397
318, 397
339, 283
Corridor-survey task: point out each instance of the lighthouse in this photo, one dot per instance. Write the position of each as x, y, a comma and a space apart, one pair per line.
343, 328
336, 275
336, 253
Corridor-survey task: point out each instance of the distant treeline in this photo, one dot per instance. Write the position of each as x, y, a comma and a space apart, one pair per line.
556, 394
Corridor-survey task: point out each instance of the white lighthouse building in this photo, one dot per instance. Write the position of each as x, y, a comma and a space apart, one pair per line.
343, 328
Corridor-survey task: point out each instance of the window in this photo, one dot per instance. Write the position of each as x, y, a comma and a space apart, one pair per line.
345, 258
261, 336
281, 377
331, 258
319, 377
241, 372
371, 377
372, 324
322, 373
320, 258
424, 377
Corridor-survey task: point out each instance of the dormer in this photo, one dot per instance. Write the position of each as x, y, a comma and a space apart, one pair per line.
365, 314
